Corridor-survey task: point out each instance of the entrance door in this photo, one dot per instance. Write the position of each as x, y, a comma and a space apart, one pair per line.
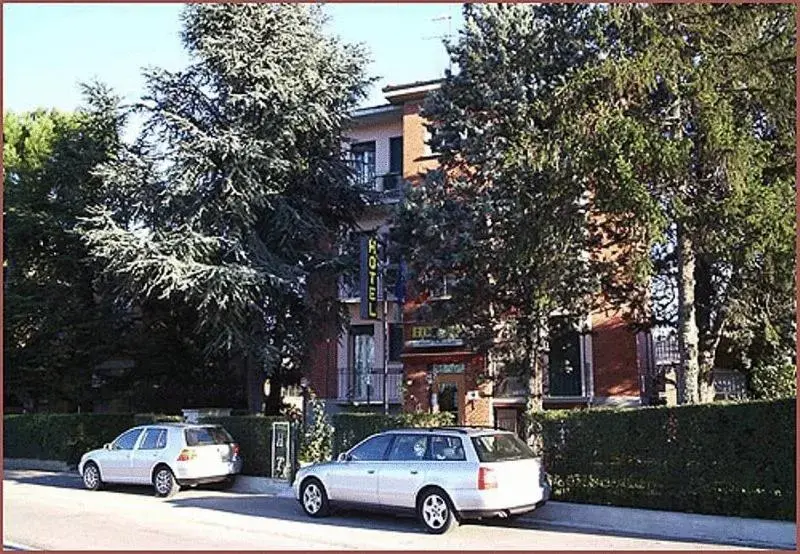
363, 352
450, 395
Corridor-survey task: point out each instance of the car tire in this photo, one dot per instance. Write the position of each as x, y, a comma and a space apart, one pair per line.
227, 483
91, 477
314, 498
164, 482
435, 511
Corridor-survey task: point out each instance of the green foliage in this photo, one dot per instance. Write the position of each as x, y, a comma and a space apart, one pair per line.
59, 321
351, 428
771, 381
66, 437
254, 436
237, 184
727, 459
504, 216
317, 442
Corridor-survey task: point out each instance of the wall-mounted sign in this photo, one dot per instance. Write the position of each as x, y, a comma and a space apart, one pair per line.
433, 337
370, 277
446, 368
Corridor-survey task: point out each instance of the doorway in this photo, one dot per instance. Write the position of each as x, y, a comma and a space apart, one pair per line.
450, 395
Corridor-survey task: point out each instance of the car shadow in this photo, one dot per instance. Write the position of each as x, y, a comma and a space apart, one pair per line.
288, 509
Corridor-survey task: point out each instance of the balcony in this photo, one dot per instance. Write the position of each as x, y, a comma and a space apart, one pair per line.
381, 189
367, 387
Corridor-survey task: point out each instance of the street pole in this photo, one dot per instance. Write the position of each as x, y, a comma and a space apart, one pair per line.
385, 349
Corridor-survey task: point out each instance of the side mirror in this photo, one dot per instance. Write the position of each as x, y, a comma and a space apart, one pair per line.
344, 457
107, 446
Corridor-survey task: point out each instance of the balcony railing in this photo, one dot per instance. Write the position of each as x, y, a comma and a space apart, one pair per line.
381, 189
367, 386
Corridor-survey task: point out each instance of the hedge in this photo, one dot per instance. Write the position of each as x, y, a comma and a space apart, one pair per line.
725, 459
254, 435
351, 428
65, 437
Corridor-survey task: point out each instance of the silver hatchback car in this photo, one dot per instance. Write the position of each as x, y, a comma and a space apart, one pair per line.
442, 475
166, 456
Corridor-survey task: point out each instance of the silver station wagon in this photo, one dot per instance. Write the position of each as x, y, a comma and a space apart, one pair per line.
166, 456
442, 475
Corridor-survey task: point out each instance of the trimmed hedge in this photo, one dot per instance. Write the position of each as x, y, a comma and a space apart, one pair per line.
351, 428
254, 435
726, 459
65, 437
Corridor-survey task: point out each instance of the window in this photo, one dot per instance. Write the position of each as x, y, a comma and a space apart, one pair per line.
154, 439
447, 449
127, 440
392, 180
409, 448
201, 436
500, 447
395, 341
372, 450
362, 158
564, 359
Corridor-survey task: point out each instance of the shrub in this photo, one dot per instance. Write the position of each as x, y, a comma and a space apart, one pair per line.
351, 428
63, 437
772, 381
317, 441
722, 458
254, 435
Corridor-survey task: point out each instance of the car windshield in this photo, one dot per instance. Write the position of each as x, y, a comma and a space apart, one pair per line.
501, 447
201, 436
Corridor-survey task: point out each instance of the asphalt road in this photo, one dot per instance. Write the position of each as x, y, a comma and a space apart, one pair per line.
52, 511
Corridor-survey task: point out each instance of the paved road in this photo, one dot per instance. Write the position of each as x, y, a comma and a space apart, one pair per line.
52, 511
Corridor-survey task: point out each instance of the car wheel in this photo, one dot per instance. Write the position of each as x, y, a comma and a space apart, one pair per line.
227, 483
314, 499
164, 482
91, 477
436, 511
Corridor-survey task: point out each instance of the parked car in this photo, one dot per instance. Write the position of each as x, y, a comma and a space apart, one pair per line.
442, 475
167, 456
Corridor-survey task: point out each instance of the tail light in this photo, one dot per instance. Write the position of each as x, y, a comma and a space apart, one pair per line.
186, 455
235, 450
486, 479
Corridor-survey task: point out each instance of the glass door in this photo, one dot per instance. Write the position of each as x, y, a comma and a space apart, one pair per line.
363, 348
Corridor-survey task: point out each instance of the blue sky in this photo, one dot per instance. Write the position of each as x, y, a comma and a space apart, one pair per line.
49, 48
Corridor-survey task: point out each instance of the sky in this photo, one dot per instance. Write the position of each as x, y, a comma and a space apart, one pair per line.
49, 48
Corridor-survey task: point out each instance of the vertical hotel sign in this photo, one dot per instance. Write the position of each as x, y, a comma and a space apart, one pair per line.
370, 277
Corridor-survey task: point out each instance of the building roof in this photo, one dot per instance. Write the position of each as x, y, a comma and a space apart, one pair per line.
375, 111
409, 91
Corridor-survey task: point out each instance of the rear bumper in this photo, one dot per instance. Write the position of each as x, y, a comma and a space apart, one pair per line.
477, 514
199, 471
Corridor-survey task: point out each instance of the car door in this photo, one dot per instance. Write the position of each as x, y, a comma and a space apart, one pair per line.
116, 464
150, 450
356, 480
403, 474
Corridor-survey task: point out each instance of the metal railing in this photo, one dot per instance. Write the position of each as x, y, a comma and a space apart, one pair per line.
385, 188
356, 385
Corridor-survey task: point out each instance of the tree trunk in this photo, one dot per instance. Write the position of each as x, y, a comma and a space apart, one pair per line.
255, 385
689, 368
534, 402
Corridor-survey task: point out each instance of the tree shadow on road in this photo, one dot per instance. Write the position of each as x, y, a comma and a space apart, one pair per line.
288, 509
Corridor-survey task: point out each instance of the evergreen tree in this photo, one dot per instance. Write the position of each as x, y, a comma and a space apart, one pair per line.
686, 130
236, 186
505, 214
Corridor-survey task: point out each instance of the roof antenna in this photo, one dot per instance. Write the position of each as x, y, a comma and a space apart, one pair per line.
447, 36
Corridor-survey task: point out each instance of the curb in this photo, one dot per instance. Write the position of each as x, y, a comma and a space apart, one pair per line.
763, 533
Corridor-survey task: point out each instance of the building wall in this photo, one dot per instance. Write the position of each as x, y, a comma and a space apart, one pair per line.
380, 132
616, 371
416, 155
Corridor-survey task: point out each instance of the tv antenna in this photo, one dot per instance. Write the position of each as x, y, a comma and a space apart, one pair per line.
444, 37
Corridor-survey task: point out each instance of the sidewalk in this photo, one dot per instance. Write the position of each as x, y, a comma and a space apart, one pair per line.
632, 522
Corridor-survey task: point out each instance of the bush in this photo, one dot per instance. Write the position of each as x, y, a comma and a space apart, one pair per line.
726, 459
772, 381
317, 441
351, 428
254, 435
64, 437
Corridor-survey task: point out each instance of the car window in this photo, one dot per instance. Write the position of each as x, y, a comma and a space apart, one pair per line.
371, 450
154, 439
447, 449
202, 436
501, 447
409, 448
127, 440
